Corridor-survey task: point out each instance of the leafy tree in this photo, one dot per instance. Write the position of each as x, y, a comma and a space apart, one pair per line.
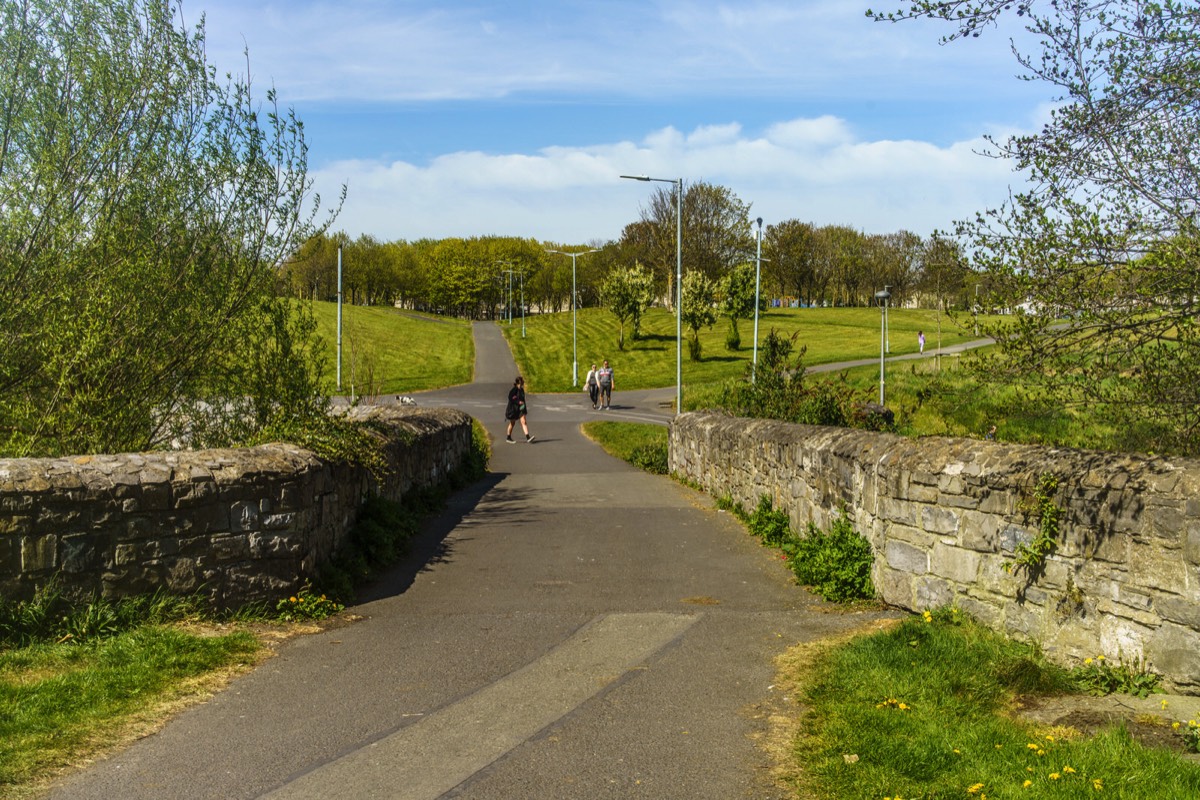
628, 292
791, 252
1107, 235
737, 301
696, 309
716, 231
144, 209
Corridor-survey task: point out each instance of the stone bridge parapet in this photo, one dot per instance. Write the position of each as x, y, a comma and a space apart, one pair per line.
945, 515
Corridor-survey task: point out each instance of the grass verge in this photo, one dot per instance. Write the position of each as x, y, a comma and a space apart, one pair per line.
62, 703
924, 711
641, 444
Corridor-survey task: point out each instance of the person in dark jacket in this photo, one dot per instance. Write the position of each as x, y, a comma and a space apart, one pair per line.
516, 410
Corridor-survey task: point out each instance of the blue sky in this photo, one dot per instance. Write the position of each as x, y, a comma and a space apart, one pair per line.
464, 118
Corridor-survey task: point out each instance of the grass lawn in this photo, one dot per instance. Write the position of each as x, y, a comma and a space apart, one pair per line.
61, 703
389, 351
924, 710
830, 334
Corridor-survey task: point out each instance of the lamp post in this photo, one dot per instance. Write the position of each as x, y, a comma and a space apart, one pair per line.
882, 297
678, 281
757, 284
574, 337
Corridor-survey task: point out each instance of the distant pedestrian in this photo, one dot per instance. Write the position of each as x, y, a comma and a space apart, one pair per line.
604, 377
921, 341
991, 434
516, 409
591, 386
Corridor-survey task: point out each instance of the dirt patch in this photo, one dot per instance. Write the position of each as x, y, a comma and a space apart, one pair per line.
1149, 720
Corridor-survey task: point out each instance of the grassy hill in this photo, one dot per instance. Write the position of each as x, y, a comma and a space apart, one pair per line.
389, 351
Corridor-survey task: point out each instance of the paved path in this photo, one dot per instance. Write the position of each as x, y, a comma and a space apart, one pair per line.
569, 627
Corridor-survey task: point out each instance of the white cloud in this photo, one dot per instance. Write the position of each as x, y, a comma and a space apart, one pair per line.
814, 170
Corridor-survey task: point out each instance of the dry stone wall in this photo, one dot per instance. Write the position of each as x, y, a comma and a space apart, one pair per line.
945, 515
234, 525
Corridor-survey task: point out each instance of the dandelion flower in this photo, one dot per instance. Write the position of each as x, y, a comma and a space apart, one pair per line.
1054, 776
1087, 662
975, 789
1100, 658
1068, 771
1163, 704
1175, 726
1032, 746
1041, 752
1097, 784
1027, 784
1049, 738
903, 706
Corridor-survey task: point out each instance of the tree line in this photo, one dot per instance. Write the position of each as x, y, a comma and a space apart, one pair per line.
482, 277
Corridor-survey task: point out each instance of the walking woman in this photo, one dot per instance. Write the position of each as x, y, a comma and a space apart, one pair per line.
516, 410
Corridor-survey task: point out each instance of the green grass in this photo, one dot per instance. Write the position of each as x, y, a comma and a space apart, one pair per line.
58, 701
830, 334
641, 444
389, 351
922, 707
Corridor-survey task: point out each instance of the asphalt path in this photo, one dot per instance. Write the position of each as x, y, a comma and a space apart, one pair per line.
569, 627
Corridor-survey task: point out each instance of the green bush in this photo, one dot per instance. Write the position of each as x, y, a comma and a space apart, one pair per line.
650, 457
836, 563
768, 524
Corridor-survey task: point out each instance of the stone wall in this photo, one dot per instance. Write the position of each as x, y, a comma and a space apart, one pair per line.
235, 525
945, 515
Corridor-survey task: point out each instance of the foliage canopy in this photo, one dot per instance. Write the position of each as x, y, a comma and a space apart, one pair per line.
144, 208
1106, 237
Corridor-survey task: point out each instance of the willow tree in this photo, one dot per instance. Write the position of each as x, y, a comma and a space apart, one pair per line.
145, 205
1106, 236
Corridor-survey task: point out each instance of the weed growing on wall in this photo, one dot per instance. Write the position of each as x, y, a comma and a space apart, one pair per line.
1099, 676
1042, 508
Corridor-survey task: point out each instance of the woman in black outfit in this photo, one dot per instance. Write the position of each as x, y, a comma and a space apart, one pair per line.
516, 410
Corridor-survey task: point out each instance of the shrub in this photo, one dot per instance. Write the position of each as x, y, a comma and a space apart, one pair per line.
650, 457
836, 564
768, 524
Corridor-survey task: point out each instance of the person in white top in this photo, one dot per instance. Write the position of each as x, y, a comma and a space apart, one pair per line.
592, 386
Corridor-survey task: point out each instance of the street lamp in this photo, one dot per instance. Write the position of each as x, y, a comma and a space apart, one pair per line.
757, 273
678, 281
882, 297
574, 337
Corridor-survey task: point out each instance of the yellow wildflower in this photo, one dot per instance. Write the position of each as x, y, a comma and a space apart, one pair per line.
1099, 658
903, 706
1175, 726
1027, 784
1068, 771
1097, 784
1087, 662
1049, 738
1163, 704
1054, 776
1032, 746
975, 788
1041, 752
